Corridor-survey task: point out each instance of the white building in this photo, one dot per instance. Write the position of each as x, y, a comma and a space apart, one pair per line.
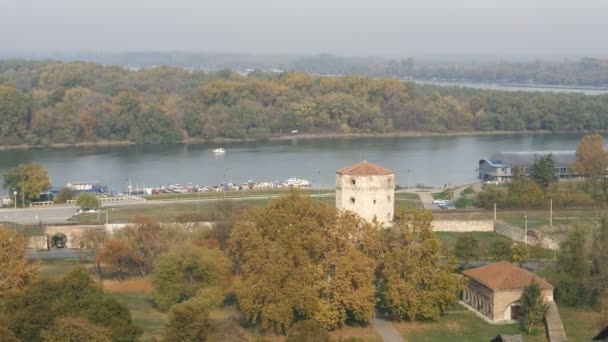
368, 190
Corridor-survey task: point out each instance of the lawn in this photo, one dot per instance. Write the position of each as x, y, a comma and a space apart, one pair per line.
460, 326
57, 269
232, 194
486, 239
581, 324
444, 195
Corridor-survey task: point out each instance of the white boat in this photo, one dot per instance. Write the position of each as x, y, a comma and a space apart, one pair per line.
219, 150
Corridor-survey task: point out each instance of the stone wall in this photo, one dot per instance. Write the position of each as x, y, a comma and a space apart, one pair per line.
513, 233
463, 226
367, 195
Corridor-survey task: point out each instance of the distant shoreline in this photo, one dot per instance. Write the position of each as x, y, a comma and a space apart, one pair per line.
303, 136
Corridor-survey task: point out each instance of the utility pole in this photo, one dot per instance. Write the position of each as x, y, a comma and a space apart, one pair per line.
525, 229
551, 213
15, 193
494, 211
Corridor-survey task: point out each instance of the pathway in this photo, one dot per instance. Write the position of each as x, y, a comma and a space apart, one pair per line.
386, 329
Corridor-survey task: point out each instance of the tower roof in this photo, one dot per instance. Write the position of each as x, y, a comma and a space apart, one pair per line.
504, 275
364, 169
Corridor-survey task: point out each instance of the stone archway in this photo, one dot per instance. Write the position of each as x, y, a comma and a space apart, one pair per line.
59, 240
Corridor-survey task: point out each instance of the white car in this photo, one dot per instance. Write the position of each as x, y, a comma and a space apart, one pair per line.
441, 201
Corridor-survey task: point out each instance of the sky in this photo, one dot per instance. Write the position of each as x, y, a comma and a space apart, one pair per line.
391, 28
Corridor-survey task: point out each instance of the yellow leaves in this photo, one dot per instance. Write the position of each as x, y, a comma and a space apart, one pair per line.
15, 270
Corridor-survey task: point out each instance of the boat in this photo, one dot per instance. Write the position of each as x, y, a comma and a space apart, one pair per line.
219, 150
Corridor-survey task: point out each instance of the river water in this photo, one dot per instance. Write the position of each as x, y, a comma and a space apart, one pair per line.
416, 160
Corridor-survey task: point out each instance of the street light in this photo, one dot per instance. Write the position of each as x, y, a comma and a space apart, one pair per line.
15, 193
525, 229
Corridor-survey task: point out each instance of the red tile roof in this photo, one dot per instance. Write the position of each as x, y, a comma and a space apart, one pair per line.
365, 169
504, 276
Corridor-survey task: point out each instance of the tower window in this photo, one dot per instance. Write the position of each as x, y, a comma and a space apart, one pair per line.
389, 198
374, 201
353, 182
352, 200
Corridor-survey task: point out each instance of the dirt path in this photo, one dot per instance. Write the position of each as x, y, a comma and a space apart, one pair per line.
386, 330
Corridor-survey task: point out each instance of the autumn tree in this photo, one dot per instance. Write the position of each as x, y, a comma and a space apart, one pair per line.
189, 320
16, 272
298, 259
533, 307
182, 271
591, 162
88, 200
93, 240
466, 248
117, 255
14, 115
29, 180
72, 329
76, 295
543, 172
308, 331
64, 195
414, 283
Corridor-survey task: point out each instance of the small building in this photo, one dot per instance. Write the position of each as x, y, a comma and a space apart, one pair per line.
602, 335
368, 190
500, 166
494, 290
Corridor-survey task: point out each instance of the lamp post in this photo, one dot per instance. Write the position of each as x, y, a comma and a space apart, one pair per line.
15, 193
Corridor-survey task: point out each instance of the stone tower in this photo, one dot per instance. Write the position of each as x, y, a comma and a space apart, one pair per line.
368, 190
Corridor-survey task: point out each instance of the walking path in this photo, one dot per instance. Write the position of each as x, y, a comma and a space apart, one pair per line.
386, 330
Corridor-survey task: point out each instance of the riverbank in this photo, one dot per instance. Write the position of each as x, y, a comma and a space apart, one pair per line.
306, 136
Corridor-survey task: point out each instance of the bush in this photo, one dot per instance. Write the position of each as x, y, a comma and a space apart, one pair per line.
307, 331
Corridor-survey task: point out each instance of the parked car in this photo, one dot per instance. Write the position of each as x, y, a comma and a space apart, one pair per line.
441, 201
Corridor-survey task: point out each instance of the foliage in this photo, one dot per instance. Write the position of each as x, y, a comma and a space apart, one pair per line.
466, 248
71, 329
591, 158
88, 200
501, 250
64, 195
224, 213
519, 253
49, 102
16, 271
182, 271
543, 172
189, 320
307, 331
76, 295
533, 306
7, 335
572, 268
93, 240
414, 283
299, 259
29, 180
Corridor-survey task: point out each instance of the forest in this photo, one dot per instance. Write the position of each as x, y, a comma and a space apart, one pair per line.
49, 102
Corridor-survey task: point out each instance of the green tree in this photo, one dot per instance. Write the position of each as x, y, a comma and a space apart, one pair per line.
64, 195
308, 331
16, 272
501, 250
72, 329
533, 306
88, 200
299, 259
414, 283
466, 247
543, 172
29, 180
519, 253
182, 271
572, 269
14, 115
189, 320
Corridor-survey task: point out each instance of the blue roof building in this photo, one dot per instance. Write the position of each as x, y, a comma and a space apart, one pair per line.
500, 166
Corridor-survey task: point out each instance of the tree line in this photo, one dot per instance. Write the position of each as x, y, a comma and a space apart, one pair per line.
46, 102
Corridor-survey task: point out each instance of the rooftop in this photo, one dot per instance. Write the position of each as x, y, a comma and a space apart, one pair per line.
528, 158
505, 276
365, 168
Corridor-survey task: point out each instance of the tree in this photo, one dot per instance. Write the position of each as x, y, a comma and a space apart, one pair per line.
543, 172
519, 253
501, 250
591, 158
466, 248
93, 240
572, 269
117, 255
182, 271
598, 275
72, 329
16, 272
189, 320
14, 112
7, 335
64, 195
533, 306
88, 200
224, 213
76, 295
29, 180
308, 331
414, 283
298, 259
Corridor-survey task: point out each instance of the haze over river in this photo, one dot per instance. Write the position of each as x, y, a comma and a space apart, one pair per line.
416, 160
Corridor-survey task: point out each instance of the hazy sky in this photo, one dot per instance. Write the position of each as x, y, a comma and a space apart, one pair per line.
539, 28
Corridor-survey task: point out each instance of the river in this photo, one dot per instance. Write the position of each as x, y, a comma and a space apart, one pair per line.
416, 160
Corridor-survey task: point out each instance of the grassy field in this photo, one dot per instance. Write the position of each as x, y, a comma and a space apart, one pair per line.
232, 194
581, 324
486, 239
459, 326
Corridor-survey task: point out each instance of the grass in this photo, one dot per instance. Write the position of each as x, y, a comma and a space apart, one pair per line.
468, 191
459, 326
406, 200
143, 312
462, 202
486, 239
444, 195
581, 324
57, 269
231, 194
